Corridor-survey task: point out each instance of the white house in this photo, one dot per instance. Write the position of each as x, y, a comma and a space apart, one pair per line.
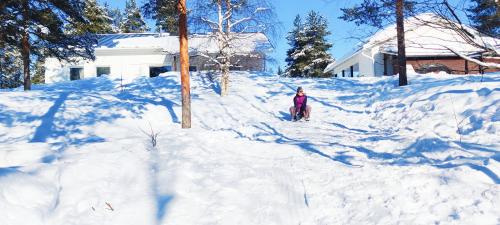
427, 49
148, 54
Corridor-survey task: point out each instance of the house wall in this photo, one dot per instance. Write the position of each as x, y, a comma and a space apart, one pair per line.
131, 64
126, 66
363, 59
457, 65
492, 60
378, 62
245, 63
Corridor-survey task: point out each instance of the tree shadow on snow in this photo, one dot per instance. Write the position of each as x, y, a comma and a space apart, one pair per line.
77, 105
268, 130
209, 79
415, 154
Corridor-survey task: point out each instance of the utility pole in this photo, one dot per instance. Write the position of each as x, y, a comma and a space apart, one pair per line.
403, 80
184, 61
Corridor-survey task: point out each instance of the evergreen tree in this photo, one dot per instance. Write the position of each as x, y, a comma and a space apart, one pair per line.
10, 67
116, 18
317, 47
295, 55
133, 21
309, 55
164, 12
98, 20
34, 28
378, 13
39, 71
485, 16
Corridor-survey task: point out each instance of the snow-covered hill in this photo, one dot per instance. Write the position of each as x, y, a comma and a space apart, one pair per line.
373, 153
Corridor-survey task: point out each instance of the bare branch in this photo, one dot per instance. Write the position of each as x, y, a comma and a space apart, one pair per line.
481, 63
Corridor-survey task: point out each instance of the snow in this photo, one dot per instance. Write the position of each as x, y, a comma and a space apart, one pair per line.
427, 34
373, 153
241, 43
43, 29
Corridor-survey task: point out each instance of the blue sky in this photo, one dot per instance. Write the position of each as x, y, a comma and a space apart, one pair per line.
286, 10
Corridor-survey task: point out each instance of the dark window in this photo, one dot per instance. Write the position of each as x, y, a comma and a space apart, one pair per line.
334, 75
103, 71
235, 68
75, 73
433, 68
355, 70
343, 73
155, 71
192, 68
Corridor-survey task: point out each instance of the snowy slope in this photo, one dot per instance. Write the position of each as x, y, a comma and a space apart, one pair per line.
373, 153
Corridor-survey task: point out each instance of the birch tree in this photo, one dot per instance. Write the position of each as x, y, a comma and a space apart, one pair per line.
230, 21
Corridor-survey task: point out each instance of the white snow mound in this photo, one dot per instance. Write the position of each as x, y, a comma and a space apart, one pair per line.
373, 153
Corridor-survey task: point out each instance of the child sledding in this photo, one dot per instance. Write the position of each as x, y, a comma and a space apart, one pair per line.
300, 109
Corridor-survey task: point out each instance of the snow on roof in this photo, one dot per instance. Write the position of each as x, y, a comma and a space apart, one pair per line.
243, 42
425, 35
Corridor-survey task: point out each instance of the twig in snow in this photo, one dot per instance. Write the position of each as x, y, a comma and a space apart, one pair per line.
153, 135
109, 207
456, 120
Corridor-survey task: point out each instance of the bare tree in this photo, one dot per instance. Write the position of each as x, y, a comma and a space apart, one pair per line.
448, 19
230, 22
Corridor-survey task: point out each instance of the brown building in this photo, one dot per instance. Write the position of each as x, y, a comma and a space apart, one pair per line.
430, 48
447, 64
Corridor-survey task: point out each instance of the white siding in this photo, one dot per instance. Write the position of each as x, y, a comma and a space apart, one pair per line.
128, 65
378, 62
364, 61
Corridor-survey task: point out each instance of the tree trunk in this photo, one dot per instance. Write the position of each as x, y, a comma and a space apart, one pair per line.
184, 61
25, 48
401, 43
226, 48
224, 81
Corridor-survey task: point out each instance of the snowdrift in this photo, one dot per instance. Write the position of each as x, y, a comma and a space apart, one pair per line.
373, 153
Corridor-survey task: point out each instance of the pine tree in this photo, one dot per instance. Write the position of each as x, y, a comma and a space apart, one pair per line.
98, 20
34, 28
133, 21
39, 73
10, 67
164, 12
317, 47
485, 16
378, 13
116, 18
295, 55
309, 55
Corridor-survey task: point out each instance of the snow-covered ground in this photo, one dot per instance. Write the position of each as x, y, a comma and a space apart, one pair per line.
79, 153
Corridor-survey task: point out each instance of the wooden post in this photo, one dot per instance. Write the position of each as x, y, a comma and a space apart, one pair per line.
184, 61
466, 67
403, 80
385, 64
